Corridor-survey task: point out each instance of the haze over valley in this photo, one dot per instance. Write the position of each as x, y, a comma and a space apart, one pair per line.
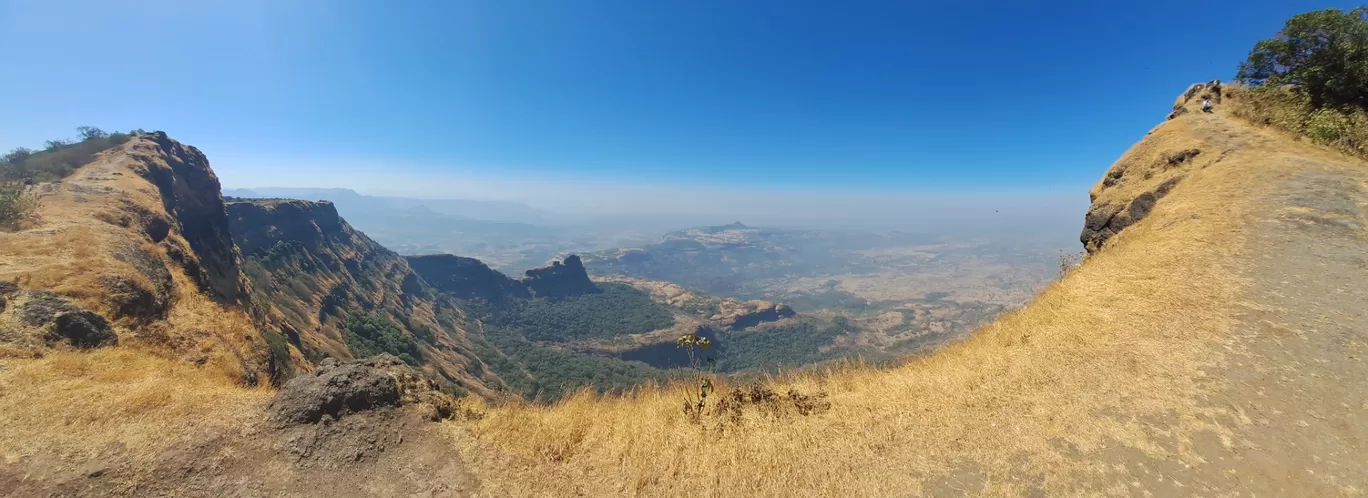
652, 249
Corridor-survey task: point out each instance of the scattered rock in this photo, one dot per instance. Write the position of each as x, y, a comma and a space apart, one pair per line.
1209, 90
83, 329
8, 288
1113, 177
1106, 220
1180, 157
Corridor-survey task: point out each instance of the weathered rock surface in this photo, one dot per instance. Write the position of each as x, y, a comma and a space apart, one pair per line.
257, 226
336, 390
560, 279
83, 329
54, 319
190, 193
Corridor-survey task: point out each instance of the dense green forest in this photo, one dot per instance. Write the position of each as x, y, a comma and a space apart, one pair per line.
618, 310
545, 374
771, 347
513, 328
369, 335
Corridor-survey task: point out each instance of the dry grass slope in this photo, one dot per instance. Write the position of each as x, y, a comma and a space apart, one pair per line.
1107, 374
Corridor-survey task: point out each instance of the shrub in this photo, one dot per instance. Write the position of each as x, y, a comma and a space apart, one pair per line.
278, 349
59, 157
1285, 109
17, 203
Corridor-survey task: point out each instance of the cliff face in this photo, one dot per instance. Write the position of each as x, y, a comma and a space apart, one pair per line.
257, 226
313, 276
467, 278
190, 195
560, 279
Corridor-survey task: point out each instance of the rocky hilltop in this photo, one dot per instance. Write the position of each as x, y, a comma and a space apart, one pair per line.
467, 278
560, 279
715, 312
1129, 190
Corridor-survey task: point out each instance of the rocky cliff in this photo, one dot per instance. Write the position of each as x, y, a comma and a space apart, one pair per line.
330, 291
131, 249
560, 279
467, 278
190, 195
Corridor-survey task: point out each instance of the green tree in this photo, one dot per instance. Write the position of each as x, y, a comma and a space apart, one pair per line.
1323, 54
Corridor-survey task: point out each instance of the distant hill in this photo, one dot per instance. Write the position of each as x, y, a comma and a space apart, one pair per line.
465, 209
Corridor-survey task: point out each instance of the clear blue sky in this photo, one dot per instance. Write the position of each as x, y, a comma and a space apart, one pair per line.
784, 94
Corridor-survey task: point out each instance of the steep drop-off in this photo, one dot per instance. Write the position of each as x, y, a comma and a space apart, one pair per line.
315, 279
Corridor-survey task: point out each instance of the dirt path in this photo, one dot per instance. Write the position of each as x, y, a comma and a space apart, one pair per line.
1300, 380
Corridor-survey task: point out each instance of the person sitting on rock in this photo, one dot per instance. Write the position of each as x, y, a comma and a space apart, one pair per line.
1206, 105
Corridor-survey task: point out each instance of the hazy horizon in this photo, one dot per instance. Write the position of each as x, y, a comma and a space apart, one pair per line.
760, 110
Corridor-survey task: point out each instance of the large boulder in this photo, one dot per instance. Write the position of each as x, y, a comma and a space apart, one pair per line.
338, 389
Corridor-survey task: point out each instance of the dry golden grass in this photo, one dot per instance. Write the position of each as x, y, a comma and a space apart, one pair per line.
74, 405
1114, 355
1285, 110
85, 221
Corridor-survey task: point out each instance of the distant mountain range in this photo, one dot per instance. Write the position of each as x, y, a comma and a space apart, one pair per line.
465, 209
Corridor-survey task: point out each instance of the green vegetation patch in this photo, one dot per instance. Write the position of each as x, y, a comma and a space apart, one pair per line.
58, 158
618, 310
1311, 79
369, 335
768, 348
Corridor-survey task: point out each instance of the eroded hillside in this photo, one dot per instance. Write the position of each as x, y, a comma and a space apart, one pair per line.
320, 286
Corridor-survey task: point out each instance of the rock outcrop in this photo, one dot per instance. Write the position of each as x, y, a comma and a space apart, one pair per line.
336, 390
467, 278
259, 225
190, 195
43, 318
560, 279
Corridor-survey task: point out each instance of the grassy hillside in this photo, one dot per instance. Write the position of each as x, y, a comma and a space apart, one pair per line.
1116, 378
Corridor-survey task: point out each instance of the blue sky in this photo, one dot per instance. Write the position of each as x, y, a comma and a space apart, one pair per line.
508, 98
